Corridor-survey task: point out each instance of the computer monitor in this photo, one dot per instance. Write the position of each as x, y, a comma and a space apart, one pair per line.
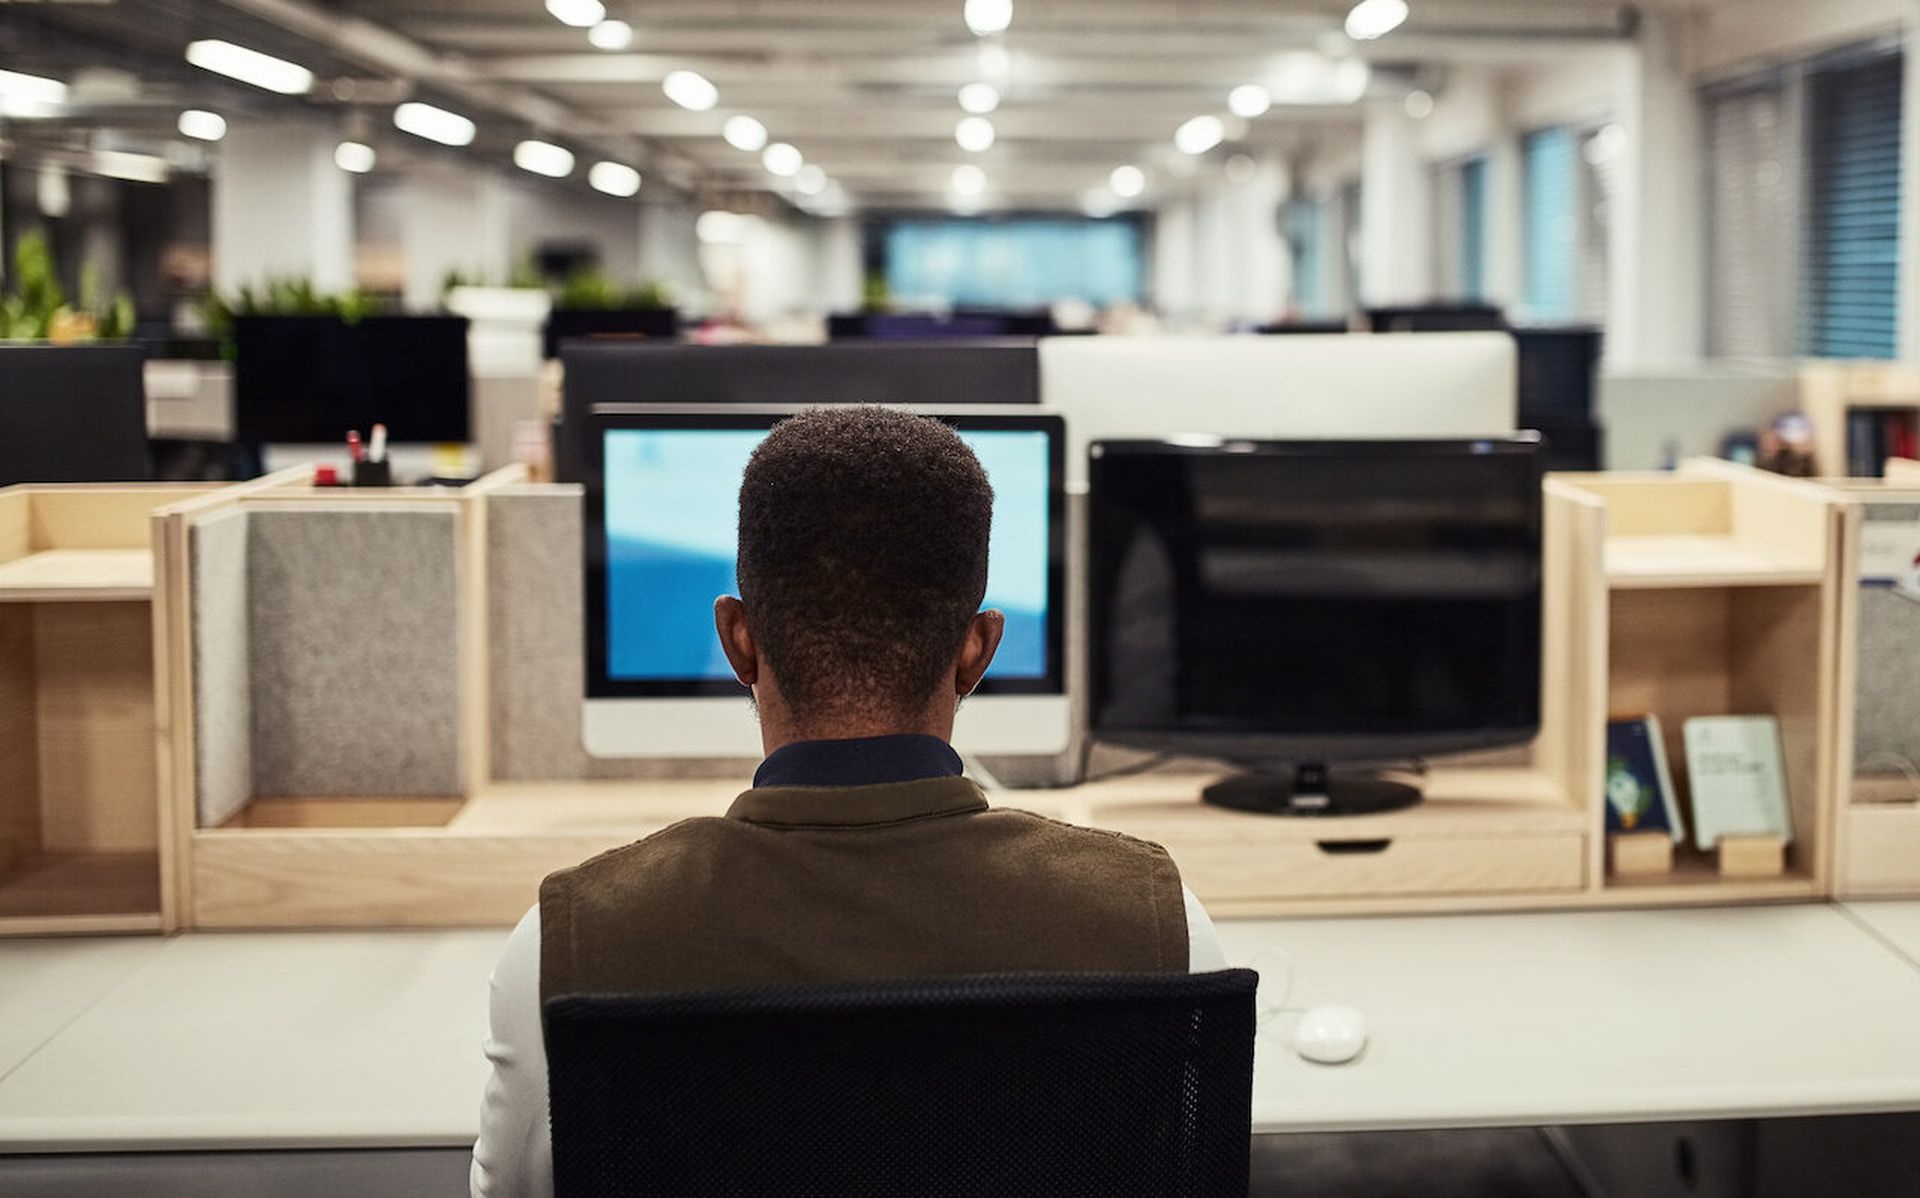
1388, 387
1301, 604
306, 380
938, 374
662, 526
1437, 318
72, 414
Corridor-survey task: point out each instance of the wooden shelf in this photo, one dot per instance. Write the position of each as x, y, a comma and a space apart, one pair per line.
77, 575
102, 891
1696, 879
1649, 562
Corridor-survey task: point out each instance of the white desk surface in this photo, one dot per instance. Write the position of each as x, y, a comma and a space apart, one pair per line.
373, 1039
1896, 922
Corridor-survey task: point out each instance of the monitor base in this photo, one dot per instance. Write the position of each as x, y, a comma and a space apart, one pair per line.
1311, 790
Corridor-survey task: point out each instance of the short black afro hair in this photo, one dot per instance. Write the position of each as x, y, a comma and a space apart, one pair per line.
863, 556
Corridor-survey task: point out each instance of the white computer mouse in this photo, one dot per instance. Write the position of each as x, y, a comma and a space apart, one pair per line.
1330, 1035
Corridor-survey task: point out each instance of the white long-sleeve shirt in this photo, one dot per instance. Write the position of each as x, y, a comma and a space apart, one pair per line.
513, 1158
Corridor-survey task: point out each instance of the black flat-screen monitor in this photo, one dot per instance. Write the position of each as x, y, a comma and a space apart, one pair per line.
607, 324
72, 414
935, 374
307, 380
1314, 602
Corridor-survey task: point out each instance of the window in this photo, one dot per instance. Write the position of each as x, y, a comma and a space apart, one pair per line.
1460, 230
1013, 264
1549, 165
1850, 259
1303, 224
1751, 283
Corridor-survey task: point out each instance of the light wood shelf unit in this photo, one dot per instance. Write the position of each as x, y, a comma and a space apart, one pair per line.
80, 835
1723, 597
1517, 833
1829, 390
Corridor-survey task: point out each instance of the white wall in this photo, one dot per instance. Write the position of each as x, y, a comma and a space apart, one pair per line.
281, 208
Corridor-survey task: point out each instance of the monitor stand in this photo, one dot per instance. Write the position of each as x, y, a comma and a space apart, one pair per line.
1311, 789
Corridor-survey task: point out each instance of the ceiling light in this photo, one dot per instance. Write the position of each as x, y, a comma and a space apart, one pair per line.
974, 133
614, 178
811, 180
968, 180
204, 125
25, 96
744, 133
353, 156
989, 16
1419, 105
251, 66
139, 168
544, 158
611, 35
690, 89
1199, 135
980, 98
782, 159
1370, 19
581, 14
1248, 100
434, 124
1127, 181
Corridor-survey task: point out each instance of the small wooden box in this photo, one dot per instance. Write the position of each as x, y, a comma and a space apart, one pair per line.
1639, 854
1752, 856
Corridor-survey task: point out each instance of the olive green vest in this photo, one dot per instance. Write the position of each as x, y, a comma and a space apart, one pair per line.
909, 879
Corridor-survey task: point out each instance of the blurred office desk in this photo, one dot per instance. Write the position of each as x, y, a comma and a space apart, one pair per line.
1896, 922
372, 1039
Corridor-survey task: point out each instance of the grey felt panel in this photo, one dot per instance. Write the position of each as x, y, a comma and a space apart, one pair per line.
1887, 686
536, 616
222, 690
356, 651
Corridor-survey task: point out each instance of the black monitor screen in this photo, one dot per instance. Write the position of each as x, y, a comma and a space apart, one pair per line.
308, 379
1324, 601
72, 414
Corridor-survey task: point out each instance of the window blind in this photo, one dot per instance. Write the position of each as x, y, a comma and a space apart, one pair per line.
1850, 294
1549, 160
1750, 238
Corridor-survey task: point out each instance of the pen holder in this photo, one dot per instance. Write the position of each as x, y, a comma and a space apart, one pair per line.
373, 474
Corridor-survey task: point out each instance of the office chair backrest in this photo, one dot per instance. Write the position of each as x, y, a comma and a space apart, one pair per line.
1041, 1084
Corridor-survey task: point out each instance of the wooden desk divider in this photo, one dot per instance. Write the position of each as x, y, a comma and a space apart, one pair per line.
1711, 591
1876, 734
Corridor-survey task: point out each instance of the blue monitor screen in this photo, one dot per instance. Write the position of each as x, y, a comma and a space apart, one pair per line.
672, 522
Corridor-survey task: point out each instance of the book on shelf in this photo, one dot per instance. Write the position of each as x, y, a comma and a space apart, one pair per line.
1876, 434
1738, 778
1639, 786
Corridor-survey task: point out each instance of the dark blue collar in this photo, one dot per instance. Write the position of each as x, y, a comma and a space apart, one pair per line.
859, 761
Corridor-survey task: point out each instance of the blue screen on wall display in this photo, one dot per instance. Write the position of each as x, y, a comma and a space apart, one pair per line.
672, 522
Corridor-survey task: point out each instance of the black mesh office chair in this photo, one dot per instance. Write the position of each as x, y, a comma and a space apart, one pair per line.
1017, 1084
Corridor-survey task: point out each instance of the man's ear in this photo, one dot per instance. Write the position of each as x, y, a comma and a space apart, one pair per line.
736, 640
977, 649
